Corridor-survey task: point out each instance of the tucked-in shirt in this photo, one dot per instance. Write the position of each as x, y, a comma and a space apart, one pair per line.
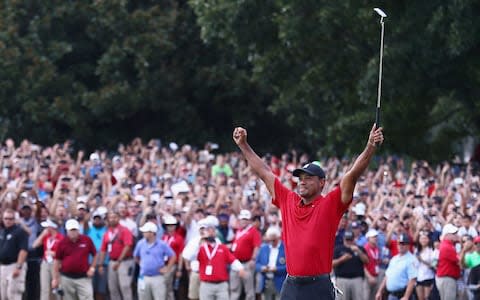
12, 240
152, 256
246, 240
309, 230
217, 262
74, 255
448, 262
351, 268
115, 239
400, 271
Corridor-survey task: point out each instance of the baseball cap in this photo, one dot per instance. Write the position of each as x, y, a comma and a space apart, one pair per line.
72, 224
348, 235
94, 156
244, 215
312, 168
403, 239
371, 233
49, 223
355, 225
476, 240
169, 220
208, 222
449, 228
149, 227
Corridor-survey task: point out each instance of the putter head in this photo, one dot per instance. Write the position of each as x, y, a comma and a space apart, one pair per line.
380, 12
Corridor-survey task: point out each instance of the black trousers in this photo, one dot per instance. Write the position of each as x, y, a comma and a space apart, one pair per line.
317, 288
32, 280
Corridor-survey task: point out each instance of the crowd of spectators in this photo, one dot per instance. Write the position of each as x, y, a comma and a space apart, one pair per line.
150, 182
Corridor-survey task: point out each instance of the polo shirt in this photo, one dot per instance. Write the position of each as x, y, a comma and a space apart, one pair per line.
175, 241
152, 256
448, 262
215, 260
309, 230
400, 271
246, 240
472, 259
96, 235
74, 255
12, 240
115, 239
50, 244
351, 268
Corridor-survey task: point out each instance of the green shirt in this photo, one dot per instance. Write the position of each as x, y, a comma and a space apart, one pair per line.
472, 259
216, 169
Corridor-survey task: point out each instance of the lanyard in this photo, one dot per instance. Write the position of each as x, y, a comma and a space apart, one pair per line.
242, 232
112, 235
209, 254
168, 240
50, 243
373, 252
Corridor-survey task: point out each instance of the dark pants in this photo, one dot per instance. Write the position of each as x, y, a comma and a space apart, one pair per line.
315, 288
32, 280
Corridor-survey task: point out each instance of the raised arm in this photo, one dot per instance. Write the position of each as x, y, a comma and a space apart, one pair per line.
254, 161
347, 184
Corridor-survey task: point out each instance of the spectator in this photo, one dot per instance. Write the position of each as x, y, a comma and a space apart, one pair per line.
71, 269
427, 258
150, 254
174, 241
13, 256
96, 233
271, 264
448, 270
348, 261
401, 274
245, 248
372, 268
49, 239
118, 243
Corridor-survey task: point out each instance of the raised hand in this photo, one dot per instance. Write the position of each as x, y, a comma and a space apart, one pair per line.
376, 136
240, 135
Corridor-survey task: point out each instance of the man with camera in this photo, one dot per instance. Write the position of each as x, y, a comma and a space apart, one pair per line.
71, 269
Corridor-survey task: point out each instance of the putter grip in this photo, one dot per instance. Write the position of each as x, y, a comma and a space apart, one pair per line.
377, 118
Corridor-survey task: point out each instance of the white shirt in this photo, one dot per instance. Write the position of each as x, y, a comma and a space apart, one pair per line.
425, 272
272, 259
471, 231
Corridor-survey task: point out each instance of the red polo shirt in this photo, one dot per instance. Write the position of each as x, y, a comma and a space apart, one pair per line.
74, 255
246, 240
50, 243
115, 239
448, 262
219, 261
175, 241
309, 231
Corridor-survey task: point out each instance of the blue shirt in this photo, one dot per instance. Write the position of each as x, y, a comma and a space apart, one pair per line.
96, 235
400, 271
152, 256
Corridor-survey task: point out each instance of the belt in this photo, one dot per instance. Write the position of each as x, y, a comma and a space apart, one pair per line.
214, 282
398, 294
307, 279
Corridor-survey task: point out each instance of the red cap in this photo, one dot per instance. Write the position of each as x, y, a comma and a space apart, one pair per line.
476, 239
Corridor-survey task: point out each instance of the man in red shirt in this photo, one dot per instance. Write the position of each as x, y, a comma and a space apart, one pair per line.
310, 220
71, 262
213, 258
118, 243
373, 266
245, 248
448, 268
176, 242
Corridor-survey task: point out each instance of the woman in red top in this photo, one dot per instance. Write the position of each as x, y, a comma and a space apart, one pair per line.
49, 238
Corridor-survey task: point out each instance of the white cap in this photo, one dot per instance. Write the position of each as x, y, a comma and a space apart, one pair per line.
94, 156
169, 220
81, 206
140, 198
149, 227
173, 146
83, 198
72, 224
49, 223
449, 228
245, 215
360, 209
116, 158
155, 197
273, 230
371, 233
209, 221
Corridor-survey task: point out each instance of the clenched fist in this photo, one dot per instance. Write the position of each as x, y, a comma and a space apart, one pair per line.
240, 135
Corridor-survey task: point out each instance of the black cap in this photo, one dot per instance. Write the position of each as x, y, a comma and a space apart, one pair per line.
311, 168
348, 235
403, 239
